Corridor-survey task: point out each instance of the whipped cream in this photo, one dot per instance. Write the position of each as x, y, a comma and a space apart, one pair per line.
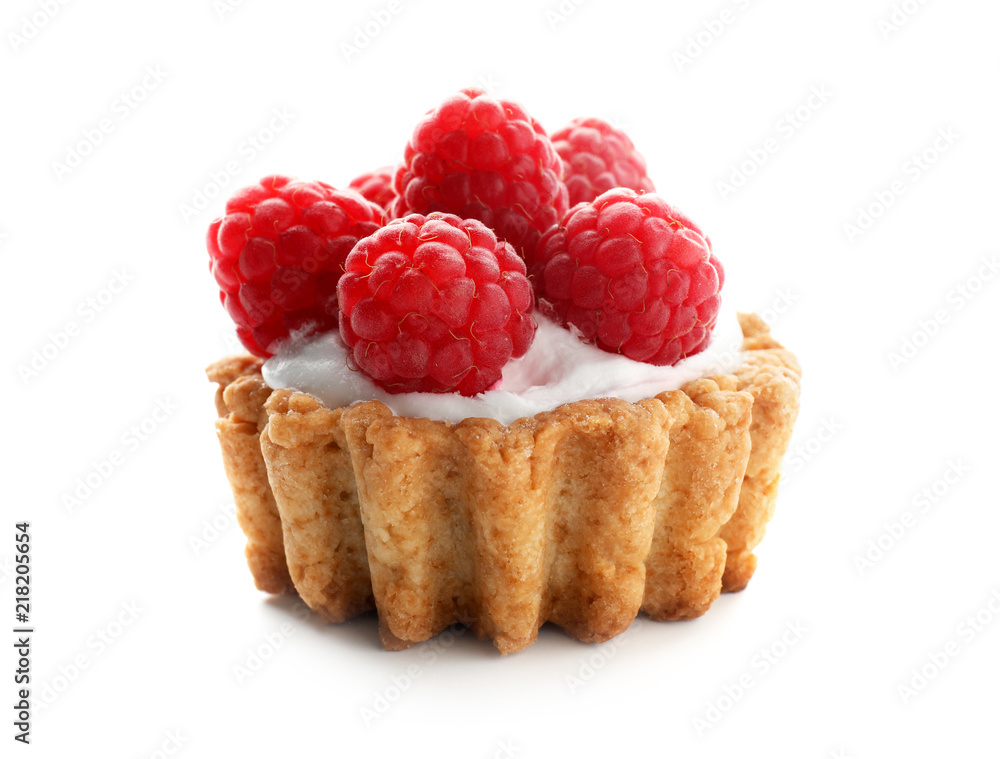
558, 368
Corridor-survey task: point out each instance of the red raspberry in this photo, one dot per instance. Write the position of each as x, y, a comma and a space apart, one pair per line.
376, 186
278, 253
483, 159
599, 158
632, 275
435, 304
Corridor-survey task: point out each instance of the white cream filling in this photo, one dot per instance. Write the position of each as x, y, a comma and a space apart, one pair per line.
557, 369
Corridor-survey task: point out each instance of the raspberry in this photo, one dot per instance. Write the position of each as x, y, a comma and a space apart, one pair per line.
599, 158
278, 254
435, 304
483, 159
376, 186
633, 275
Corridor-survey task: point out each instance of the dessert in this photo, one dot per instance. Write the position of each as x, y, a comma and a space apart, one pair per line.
456, 450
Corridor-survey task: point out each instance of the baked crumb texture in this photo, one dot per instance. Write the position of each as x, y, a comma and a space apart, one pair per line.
583, 516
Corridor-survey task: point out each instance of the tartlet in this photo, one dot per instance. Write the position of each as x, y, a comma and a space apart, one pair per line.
583, 516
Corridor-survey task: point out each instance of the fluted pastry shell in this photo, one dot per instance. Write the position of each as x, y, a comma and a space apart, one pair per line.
582, 516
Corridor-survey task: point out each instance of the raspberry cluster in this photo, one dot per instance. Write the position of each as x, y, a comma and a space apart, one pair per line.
423, 268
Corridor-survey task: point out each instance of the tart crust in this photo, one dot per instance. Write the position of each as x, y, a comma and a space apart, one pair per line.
582, 516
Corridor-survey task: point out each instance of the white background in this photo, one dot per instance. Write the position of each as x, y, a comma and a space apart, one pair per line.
873, 433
